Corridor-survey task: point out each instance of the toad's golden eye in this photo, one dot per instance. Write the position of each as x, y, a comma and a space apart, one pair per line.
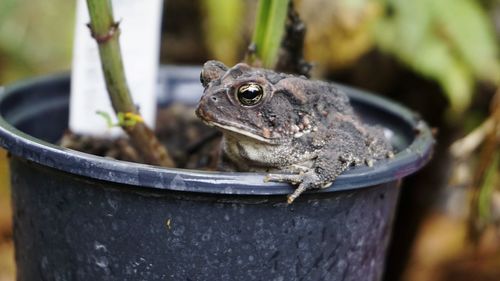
249, 94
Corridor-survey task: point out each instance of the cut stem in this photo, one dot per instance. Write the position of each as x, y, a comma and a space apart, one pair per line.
106, 31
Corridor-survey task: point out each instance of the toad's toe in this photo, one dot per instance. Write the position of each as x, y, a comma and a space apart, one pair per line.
290, 178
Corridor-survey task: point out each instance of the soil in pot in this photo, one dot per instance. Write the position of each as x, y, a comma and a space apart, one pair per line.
192, 144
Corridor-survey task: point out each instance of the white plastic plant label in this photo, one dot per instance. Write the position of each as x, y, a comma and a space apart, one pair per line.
140, 23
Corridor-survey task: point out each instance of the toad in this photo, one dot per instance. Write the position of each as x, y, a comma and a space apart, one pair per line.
300, 131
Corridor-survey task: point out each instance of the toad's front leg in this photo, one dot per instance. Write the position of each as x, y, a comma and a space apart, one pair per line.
305, 181
322, 175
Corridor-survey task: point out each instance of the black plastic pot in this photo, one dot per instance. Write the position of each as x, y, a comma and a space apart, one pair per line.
83, 217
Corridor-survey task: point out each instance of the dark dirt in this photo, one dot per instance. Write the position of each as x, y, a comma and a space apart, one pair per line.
191, 143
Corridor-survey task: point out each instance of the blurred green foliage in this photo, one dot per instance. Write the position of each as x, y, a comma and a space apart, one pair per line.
225, 30
35, 37
450, 41
228, 33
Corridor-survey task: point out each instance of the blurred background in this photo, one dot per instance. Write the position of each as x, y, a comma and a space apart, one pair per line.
439, 58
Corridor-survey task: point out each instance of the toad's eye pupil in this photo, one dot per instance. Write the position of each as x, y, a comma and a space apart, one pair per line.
250, 94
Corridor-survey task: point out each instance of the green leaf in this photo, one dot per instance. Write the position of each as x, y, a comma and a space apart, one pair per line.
470, 32
449, 41
269, 30
107, 118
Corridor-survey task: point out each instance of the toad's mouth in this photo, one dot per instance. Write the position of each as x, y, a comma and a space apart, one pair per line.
238, 130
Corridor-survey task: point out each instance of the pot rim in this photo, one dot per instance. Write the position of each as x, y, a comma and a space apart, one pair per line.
20, 144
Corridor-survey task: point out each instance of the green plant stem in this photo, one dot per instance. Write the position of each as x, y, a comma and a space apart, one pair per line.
269, 29
106, 32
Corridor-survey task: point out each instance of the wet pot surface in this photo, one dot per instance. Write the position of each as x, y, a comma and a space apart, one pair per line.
81, 217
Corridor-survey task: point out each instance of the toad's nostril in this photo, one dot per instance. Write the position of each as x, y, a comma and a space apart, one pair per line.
214, 98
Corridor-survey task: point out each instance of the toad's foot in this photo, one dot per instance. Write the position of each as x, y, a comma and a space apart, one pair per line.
305, 181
